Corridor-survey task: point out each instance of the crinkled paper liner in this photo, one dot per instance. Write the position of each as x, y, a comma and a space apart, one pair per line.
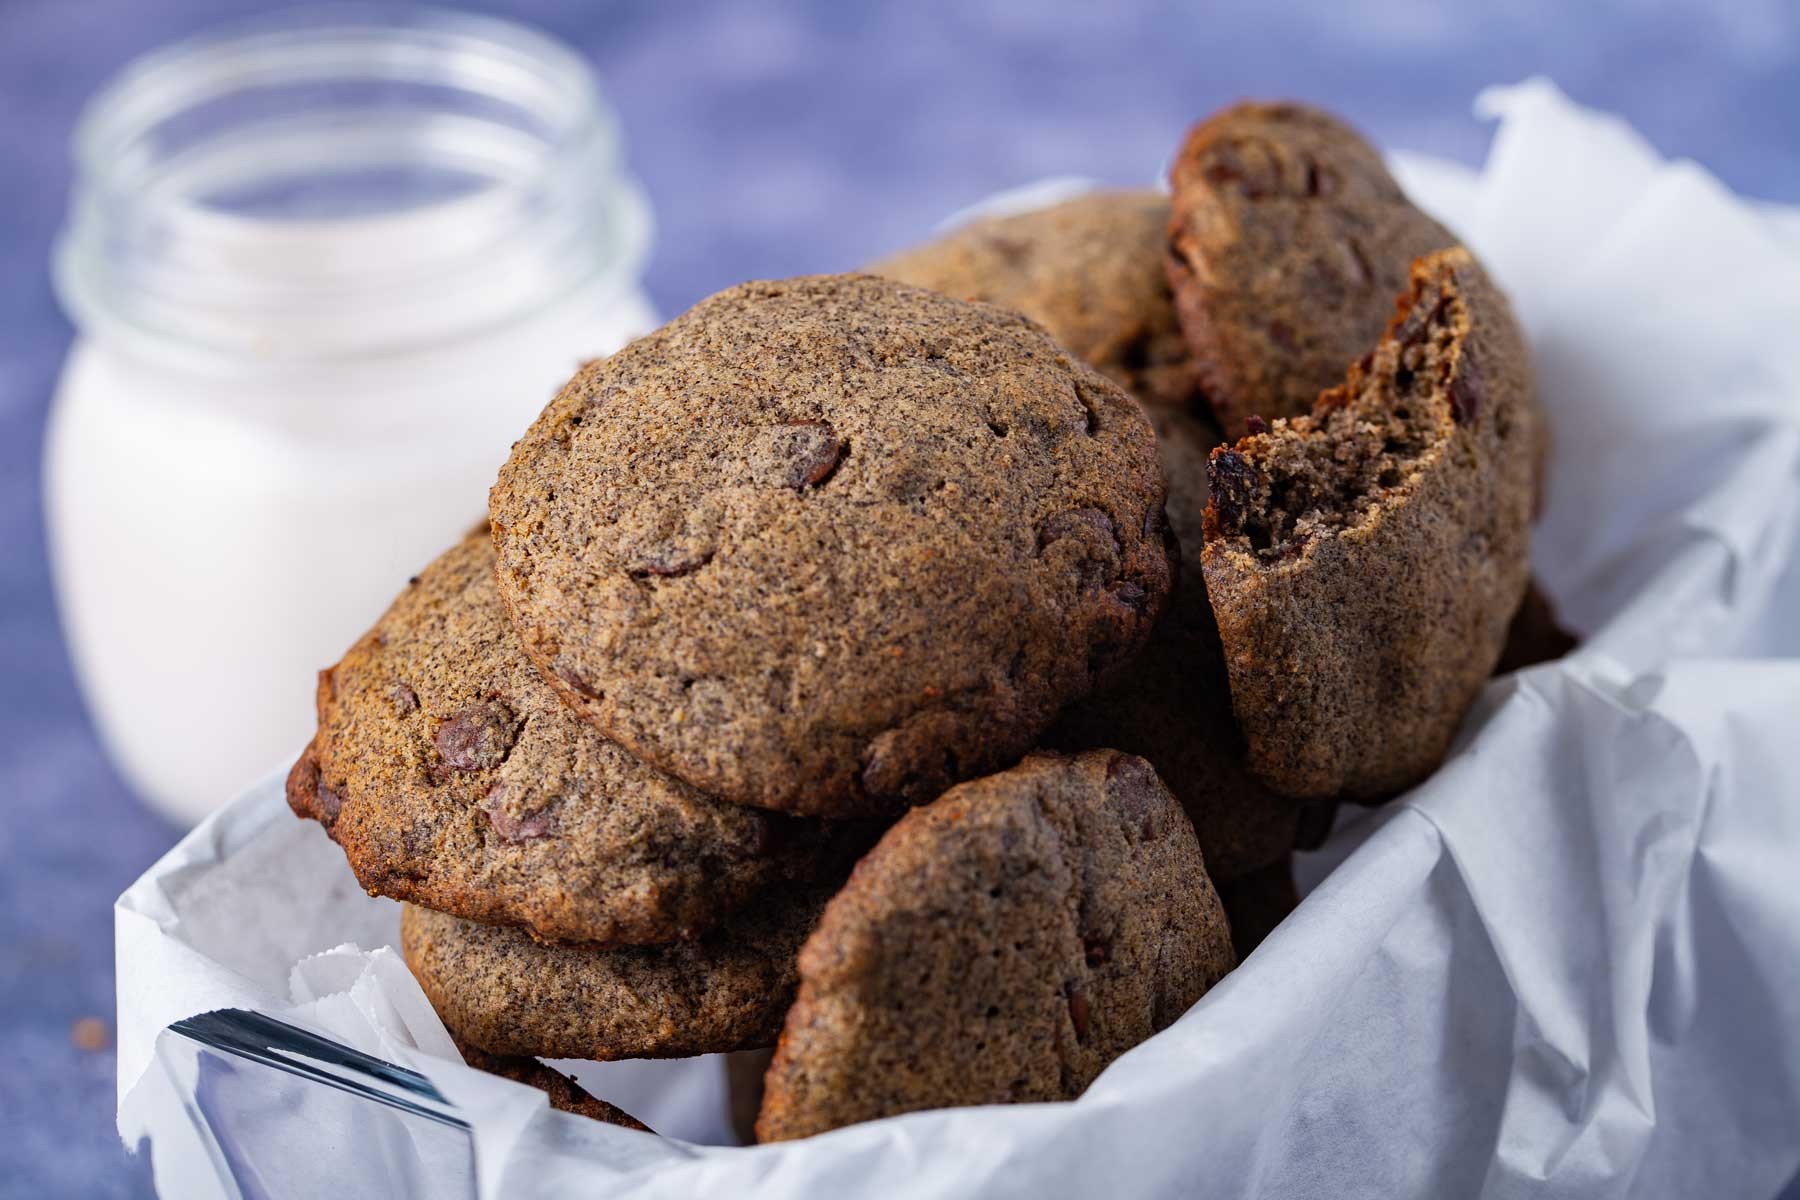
1567, 965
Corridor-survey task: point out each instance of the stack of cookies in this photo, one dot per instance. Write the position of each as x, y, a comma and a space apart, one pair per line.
873, 567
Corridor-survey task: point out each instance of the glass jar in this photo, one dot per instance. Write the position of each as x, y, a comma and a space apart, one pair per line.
325, 268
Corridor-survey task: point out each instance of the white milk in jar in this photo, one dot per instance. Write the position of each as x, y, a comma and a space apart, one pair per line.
325, 270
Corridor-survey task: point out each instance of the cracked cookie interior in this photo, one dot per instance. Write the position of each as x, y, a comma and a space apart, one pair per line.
1364, 561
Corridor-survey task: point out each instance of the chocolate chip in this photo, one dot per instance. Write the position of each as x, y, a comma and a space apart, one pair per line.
1078, 1011
1095, 949
1256, 169
1295, 543
1012, 250
666, 562
1427, 312
405, 699
1131, 595
1093, 531
330, 804
1321, 180
1466, 391
1360, 274
577, 684
899, 763
477, 738
523, 827
798, 455
1249, 166
1132, 785
1231, 483
527, 828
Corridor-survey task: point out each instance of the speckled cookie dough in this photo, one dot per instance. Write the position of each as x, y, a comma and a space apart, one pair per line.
831, 544
1172, 703
1003, 944
1090, 270
1287, 243
500, 991
452, 776
1364, 562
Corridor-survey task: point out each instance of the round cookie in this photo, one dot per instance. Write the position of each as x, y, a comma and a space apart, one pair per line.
1287, 243
1090, 270
1364, 562
500, 991
453, 777
564, 1093
831, 544
1172, 703
1002, 944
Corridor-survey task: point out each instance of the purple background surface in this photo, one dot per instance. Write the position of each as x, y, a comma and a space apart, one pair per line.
786, 138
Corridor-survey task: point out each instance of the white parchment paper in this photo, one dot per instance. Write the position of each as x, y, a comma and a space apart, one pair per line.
1568, 965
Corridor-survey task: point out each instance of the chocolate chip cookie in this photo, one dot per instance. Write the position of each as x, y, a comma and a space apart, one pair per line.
1002, 944
565, 1094
1089, 270
1364, 561
1287, 243
1172, 704
452, 776
831, 544
498, 990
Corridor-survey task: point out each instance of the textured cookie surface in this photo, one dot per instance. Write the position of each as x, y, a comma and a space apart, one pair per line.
1090, 270
830, 544
1288, 241
452, 776
1364, 561
1172, 704
565, 1094
500, 991
1002, 944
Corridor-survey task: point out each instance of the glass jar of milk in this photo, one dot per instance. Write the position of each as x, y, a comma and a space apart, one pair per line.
325, 269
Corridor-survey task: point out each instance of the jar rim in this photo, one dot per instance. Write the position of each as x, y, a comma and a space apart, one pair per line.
507, 123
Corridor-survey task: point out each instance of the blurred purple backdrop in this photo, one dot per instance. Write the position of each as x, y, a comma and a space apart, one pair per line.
793, 137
